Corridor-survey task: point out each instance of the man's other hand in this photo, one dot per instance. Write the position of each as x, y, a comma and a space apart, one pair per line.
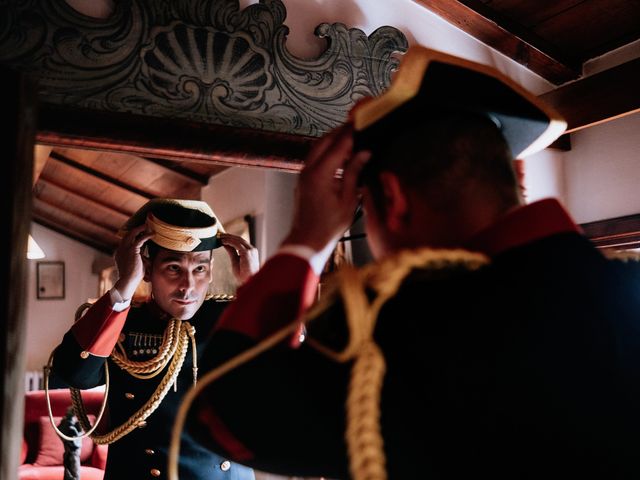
129, 261
327, 191
245, 260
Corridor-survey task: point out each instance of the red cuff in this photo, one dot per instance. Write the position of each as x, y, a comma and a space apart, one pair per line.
98, 330
275, 297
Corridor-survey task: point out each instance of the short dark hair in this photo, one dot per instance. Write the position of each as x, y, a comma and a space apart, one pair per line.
436, 157
153, 248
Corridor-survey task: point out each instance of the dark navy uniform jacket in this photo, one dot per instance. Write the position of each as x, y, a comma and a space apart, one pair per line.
528, 367
143, 452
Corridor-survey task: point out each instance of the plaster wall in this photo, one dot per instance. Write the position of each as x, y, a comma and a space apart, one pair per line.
48, 320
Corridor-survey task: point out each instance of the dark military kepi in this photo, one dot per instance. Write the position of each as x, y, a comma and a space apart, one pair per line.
149, 357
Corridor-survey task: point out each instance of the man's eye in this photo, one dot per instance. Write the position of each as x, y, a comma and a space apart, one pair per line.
201, 268
173, 268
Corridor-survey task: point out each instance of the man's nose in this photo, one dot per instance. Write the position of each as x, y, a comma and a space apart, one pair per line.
186, 282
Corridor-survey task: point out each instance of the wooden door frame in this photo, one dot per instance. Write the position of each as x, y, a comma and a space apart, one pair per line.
18, 99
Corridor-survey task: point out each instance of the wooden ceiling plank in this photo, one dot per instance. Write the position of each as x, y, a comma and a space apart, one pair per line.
119, 167
76, 180
95, 173
160, 181
135, 170
593, 26
86, 208
599, 98
529, 36
201, 169
494, 30
74, 221
181, 169
111, 210
529, 13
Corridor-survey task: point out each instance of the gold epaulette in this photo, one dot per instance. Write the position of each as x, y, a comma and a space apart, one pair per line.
622, 255
221, 297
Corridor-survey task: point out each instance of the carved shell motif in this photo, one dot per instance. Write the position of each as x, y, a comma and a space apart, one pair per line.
202, 69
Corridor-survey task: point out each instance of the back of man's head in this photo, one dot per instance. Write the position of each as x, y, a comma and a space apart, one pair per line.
448, 129
441, 157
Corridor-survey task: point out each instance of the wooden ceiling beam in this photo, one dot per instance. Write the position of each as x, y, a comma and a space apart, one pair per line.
171, 139
94, 173
598, 98
619, 233
506, 36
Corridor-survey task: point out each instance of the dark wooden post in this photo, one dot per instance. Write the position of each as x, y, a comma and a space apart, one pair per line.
17, 133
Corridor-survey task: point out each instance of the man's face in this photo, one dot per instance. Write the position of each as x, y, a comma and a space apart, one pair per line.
179, 281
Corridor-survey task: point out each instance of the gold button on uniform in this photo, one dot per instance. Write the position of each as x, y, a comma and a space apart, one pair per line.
155, 472
129, 396
149, 451
226, 465
84, 354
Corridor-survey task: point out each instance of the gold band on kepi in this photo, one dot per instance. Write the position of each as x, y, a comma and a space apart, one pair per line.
179, 239
179, 225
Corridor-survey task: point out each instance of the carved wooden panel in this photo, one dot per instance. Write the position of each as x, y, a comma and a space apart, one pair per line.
204, 61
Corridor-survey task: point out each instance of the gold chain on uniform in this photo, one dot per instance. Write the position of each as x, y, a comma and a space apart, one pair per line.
174, 348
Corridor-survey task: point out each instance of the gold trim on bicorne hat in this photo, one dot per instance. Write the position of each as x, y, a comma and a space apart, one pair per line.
180, 239
433, 81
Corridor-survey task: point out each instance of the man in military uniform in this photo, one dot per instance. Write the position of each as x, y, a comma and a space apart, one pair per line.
490, 338
151, 349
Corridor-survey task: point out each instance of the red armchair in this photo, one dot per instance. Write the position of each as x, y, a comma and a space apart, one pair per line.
42, 449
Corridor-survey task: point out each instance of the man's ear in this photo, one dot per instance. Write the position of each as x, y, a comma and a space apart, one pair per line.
146, 263
396, 202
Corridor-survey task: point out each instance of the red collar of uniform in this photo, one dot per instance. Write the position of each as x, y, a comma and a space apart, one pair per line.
523, 225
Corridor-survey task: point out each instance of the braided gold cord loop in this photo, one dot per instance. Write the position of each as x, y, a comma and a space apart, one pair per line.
364, 439
87, 429
187, 332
